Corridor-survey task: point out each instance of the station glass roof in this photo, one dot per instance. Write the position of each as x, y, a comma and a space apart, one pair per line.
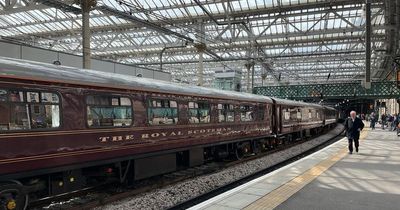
288, 41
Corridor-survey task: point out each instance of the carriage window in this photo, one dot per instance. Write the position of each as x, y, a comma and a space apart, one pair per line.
162, 112
32, 112
246, 113
3, 95
226, 113
49, 97
199, 112
106, 111
32, 97
293, 114
16, 96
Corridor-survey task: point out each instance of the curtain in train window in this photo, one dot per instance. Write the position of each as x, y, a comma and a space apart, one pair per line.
286, 115
246, 113
226, 113
199, 112
28, 110
299, 114
162, 112
109, 111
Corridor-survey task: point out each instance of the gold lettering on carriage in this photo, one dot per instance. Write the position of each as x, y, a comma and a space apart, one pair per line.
104, 139
155, 135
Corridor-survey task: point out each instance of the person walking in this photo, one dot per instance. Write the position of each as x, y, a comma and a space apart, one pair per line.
353, 125
394, 122
398, 124
390, 121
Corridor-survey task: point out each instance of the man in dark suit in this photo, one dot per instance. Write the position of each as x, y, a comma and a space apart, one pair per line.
353, 126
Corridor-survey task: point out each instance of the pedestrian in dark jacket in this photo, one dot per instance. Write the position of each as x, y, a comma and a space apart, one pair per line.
383, 121
353, 126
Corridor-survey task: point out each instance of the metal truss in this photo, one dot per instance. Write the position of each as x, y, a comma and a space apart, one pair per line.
300, 41
350, 90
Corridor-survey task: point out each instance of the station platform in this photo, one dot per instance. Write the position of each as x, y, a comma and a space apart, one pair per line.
328, 179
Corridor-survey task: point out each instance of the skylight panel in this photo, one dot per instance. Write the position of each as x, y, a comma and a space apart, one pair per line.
23, 29
236, 6
37, 16
13, 19
252, 4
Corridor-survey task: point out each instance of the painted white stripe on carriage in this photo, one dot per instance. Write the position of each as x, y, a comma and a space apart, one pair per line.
215, 199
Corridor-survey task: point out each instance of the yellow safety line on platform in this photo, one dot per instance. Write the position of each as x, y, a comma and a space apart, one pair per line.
281, 194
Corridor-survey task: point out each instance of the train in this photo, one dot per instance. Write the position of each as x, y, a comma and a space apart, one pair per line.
63, 128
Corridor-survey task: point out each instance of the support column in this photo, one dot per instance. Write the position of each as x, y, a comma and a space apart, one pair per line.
368, 44
263, 77
161, 57
247, 65
201, 47
86, 6
200, 69
250, 68
252, 78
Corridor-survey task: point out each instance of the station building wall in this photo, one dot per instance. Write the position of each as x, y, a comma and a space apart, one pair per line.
13, 50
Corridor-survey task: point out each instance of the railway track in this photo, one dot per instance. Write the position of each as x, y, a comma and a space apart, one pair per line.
100, 195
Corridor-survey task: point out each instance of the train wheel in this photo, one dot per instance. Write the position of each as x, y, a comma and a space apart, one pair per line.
12, 196
241, 149
263, 146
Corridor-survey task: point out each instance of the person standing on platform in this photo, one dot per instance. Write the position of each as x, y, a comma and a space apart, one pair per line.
353, 126
372, 119
383, 121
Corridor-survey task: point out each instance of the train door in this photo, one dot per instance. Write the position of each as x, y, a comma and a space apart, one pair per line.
277, 119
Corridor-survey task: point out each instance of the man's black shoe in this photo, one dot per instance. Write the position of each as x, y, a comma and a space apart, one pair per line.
350, 153
357, 150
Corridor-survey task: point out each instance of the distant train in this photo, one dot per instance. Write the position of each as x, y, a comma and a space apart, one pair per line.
63, 128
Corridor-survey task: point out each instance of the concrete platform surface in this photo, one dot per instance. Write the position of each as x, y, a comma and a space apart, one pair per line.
328, 179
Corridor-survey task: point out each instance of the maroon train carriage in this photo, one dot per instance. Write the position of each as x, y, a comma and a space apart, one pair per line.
299, 119
63, 128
